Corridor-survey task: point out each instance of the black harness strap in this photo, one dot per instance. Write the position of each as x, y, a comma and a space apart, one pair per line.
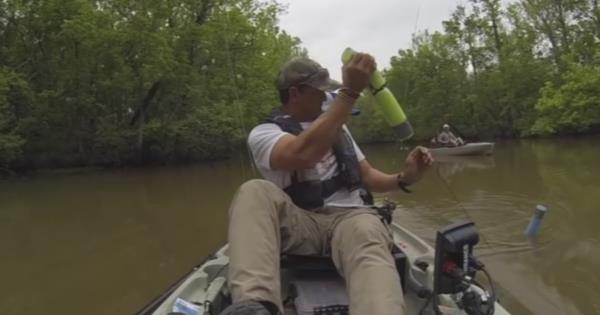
310, 194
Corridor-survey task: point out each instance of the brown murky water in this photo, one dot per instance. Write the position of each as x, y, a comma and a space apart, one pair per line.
107, 242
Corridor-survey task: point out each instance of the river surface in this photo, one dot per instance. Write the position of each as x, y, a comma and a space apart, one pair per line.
106, 242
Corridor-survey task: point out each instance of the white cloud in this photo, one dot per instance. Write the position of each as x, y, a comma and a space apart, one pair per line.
379, 27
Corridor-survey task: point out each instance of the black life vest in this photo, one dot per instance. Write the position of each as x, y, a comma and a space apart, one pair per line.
310, 194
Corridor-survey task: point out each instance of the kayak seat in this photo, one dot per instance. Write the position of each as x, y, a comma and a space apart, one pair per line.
315, 287
302, 263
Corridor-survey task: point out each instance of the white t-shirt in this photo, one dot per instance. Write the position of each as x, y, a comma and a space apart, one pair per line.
263, 138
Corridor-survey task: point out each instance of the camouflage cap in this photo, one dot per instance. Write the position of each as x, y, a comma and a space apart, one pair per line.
304, 71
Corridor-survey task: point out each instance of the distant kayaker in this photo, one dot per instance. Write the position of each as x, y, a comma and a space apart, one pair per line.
447, 138
315, 198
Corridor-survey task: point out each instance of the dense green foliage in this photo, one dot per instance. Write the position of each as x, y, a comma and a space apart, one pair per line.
531, 68
116, 82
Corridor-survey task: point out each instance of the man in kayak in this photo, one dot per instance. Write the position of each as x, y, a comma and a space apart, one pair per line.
310, 202
448, 139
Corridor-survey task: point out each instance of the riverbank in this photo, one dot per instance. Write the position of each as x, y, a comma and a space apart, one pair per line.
77, 169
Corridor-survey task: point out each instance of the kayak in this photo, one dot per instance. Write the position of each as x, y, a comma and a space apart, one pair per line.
475, 148
468, 161
311, 283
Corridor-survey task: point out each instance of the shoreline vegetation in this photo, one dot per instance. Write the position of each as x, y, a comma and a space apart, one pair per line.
73, 170
124, 84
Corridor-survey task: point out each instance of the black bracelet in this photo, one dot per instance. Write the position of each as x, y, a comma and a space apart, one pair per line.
349, 92
402, 184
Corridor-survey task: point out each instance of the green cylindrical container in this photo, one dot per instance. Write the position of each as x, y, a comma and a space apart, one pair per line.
387, 103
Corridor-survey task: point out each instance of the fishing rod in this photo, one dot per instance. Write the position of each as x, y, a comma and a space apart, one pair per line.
239, 109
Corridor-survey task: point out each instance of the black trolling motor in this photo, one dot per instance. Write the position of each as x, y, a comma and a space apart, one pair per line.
456, 268
454, 274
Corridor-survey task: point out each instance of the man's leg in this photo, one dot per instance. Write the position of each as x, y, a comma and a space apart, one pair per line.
361, 251
263, 222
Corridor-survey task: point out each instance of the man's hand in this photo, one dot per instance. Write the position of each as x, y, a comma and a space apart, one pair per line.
417, 162
356, 73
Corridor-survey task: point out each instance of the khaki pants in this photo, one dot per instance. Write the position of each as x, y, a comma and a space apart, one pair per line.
264, 222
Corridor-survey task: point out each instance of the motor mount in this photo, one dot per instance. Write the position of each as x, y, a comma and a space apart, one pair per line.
456, 267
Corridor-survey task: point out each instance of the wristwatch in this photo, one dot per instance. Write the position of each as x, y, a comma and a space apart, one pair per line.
349, 92
402, 184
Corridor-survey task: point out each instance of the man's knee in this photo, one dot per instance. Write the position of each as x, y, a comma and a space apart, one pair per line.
258, 187
254, 197
257, 191
368, 228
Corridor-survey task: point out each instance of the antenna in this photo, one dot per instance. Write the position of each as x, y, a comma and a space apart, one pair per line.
417, 19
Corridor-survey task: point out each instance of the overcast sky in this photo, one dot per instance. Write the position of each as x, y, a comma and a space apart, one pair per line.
379, 27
